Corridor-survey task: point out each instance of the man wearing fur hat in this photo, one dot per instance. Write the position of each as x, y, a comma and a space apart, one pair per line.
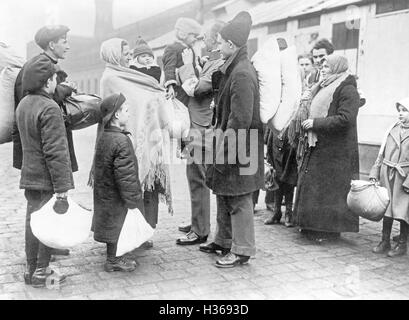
187, 32
238, 168
53, 40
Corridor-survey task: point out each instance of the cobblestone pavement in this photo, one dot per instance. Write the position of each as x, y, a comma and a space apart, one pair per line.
286, 266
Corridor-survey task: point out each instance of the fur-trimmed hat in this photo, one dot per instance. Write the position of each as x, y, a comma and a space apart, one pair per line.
188, 25
141, 47
48, 33
238, 29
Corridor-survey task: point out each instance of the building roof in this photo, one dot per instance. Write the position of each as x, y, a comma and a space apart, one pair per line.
267, 12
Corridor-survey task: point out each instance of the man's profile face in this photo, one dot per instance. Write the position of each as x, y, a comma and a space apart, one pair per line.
318, 56
60, 47
224, 47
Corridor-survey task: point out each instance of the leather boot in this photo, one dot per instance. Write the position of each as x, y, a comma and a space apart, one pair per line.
402, 246
46, 277
288, 222
385, 244
28, 273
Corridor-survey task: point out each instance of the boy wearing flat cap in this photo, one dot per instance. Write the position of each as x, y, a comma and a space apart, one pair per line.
116, 185
46, 166
237, 112
53, 40
187, 32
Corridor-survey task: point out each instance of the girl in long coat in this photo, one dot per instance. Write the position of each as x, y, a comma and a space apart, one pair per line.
331, 159
391, 169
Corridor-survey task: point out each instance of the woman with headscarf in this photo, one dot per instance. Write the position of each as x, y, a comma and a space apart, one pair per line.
331, 154
149, 117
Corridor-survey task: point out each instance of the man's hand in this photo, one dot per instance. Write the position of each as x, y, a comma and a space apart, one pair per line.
307, 124
61, 204
170, 93
187, 56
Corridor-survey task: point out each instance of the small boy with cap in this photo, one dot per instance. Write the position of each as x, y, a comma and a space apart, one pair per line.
46, 165
116, 181
187, 32
144, 60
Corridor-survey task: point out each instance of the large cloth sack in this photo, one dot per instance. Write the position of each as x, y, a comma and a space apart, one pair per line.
134, 232
180, 120
7, 80
8, 58
83, 110
61, 231
368, 200
291, 89
267, 63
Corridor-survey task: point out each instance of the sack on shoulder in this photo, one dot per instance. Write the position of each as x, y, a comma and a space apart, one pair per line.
83, 111
368, 200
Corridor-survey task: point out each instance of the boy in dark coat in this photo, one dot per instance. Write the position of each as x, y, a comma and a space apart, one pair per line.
46, 165
116, 186
187, 32
144, 60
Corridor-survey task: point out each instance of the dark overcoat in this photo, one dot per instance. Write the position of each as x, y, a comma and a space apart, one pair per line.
326, 173
116, 185
45, 157
237, 113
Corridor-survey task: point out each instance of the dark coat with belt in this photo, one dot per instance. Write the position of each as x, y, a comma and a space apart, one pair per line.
46, 162
328, 168
237, 113
116, 185
19, 93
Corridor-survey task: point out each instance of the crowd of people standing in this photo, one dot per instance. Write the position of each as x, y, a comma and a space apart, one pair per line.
314, 157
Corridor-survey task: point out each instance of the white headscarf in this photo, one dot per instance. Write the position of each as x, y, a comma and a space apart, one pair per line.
111, 51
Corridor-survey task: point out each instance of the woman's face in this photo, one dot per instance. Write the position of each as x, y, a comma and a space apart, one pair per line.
326, 70
125, 56
403, 114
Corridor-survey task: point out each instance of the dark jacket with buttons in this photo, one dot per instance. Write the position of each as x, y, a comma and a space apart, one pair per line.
60, 94
237, 114
45, 162
116, 184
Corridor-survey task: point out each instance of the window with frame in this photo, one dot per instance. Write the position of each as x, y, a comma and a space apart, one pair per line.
384, 6
343, 37
309, 22
277, 27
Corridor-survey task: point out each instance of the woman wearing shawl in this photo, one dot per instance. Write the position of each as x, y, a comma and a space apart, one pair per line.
149, 116
331, 154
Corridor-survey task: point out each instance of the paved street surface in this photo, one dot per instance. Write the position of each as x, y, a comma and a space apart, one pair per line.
286, 266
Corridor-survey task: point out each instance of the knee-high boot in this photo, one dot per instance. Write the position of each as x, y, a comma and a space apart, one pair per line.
385, 243
401, 247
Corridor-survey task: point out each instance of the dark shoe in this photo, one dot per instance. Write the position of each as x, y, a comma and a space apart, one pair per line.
43, 277
185, 228
231, 260
382, 247
28, 273
119, 264
288, 220
191, 238
399, 250
274, 219
59, 252
146, 245
214, 248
